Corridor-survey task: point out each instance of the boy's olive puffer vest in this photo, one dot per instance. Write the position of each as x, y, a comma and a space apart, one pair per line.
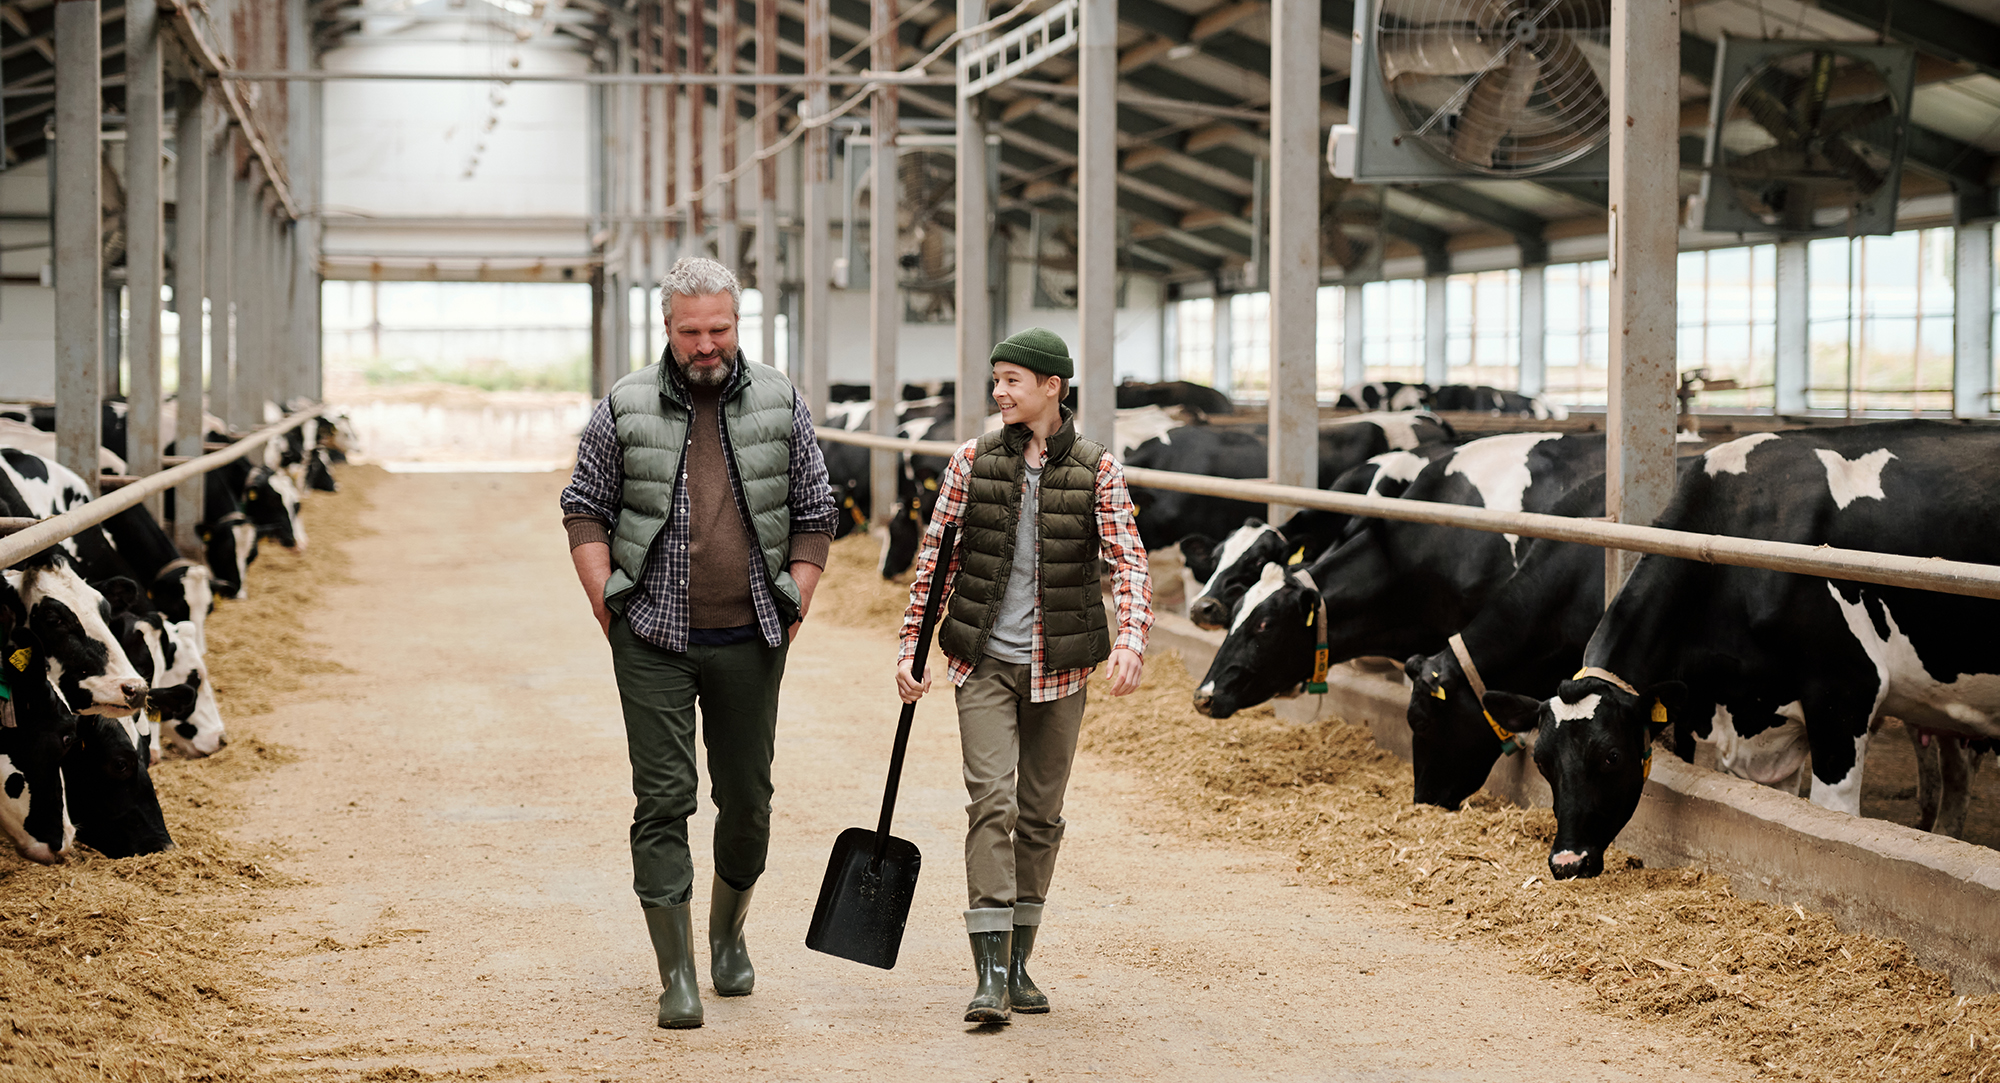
652, 412
1074, 629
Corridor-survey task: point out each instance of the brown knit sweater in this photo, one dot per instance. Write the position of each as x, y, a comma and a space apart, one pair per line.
720, 545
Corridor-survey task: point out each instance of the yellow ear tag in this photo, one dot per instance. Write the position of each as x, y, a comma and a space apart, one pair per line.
1659, 712
20, 659
1437, 693
1298, 556
1578, 675
931, 484
1311, 615
251, 495
1646, 767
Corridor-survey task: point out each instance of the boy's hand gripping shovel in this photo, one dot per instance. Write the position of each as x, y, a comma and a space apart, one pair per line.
872, 875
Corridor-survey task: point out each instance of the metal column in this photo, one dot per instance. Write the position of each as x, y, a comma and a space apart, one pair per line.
1292, 255
697, 99
818, 241
728, 237
1097, 218
1437, 368
190, 246
1223, 325
1792, 367
77, 234
145, 239
302, 158
973, 238
884, 298
246, 261
1645, 235
220, 255
1972, 322
768, 278
1534, 322
1353, 362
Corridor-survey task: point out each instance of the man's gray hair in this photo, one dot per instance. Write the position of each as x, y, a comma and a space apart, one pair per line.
697, 276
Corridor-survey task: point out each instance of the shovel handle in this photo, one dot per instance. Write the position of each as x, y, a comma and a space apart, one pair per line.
932, 603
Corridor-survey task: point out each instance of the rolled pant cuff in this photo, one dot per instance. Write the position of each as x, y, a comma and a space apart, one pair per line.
999, 919
1027, 913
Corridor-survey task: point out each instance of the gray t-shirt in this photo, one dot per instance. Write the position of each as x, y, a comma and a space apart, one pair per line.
1013, 638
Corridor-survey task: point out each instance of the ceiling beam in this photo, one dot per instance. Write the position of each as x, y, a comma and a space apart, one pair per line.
1928, 25
1528, 230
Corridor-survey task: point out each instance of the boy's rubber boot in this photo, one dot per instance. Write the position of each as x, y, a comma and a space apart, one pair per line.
672, 930
989, 963
1021, 992
728, 956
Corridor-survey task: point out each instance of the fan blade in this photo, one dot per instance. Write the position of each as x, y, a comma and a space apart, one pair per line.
1842, 156
1571, 84
1452, 50
1845, 118
1811, 98
1493, 107
1771, 163
1769, 112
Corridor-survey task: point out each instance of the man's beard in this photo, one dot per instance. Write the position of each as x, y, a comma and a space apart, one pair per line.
710, 377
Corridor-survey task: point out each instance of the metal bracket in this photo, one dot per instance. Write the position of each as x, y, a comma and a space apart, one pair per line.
1019, 50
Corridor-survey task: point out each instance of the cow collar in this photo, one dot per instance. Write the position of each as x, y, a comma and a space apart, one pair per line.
1317, 620
1509, 740
173, 566
1659, 709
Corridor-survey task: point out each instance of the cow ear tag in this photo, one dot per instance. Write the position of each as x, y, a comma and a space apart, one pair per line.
931, 484
20, 659
1298, 556
251, 495
1437, 693
1659, 712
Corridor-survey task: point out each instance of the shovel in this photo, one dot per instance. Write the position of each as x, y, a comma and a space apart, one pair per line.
872, 875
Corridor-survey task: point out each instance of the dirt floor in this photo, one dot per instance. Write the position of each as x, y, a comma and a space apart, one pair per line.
410, 864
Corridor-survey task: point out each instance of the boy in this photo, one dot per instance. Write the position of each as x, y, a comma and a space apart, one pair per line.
1025, 626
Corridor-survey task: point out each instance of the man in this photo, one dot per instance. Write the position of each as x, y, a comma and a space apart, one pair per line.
1022, 632
701, 461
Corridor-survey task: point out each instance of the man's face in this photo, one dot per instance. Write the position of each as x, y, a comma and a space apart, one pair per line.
701, 333
1022, 393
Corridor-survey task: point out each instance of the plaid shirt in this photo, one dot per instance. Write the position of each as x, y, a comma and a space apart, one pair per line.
1117, 530
658, 610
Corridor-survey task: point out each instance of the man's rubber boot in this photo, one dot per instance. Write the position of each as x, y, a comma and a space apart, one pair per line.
1021, 991
989, 963
672, 930
728, 956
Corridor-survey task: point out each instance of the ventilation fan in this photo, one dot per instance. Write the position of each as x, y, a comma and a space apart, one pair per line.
1444, 89
1806, 137
1350, 230
925, 244
1055, 261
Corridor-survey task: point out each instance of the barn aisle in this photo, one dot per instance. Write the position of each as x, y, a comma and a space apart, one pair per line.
455, 818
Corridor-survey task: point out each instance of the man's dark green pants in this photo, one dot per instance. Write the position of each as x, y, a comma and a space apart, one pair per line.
737, 689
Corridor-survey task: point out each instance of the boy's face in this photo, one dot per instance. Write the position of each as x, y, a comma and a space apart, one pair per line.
1023, 394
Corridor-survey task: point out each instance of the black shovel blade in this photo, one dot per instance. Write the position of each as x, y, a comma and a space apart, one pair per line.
864, 903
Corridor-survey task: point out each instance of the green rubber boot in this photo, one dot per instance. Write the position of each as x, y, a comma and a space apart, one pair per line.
1021, 991
989, 962
728, 956
672, 930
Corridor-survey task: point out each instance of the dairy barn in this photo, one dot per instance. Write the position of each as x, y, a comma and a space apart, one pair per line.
525, 520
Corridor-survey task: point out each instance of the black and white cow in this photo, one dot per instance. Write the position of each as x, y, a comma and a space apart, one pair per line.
36, 730
270, 500
917, 479
1385, 395
181, 589
1809, 662
181, 703
1482, 399
1197, 399
1227, 570
1393, 588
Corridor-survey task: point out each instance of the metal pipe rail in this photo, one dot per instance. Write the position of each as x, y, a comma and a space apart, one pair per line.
1887, 569
47, 532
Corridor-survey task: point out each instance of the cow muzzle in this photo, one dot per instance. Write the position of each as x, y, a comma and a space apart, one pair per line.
1208, 612
114, 696
1574, 865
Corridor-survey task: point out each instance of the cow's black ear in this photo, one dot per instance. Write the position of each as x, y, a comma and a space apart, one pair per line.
1515, 712
175, 703
1198, 553
1413, 666
120, 593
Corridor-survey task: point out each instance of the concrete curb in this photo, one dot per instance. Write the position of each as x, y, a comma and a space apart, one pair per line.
1937, 894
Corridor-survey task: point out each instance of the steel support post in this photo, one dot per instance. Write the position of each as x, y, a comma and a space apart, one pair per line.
302, 158
728, 235
1972, 322
114, 328
817, 242
973, 238
1645, 235
1792, 367
190, 250
885, 315
1353, 363
1437, 368
670, 148
77, 233
1292, 254
697, 99
769, 281
1223, 326
1534, 322
1097, 218
145, 239
221, 254
246, 261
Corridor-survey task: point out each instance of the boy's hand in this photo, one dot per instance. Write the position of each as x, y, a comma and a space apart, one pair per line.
906, 681
1124, 670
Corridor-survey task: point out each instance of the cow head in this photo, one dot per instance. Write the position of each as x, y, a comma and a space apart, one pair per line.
183, 591
230, 544
189, 718
70, 622
1229, 571
1269, 650
110, 792
35, 732
1452, 746
917, 496
272, 502
319, 471
1594, 746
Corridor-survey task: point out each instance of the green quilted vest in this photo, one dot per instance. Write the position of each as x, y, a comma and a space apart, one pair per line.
652, 422
1074, 629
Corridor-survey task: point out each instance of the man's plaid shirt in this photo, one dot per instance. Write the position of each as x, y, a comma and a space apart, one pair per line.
658, 611
1117, 530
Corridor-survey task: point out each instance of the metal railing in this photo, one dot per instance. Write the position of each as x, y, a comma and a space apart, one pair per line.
1887, 569
34, 535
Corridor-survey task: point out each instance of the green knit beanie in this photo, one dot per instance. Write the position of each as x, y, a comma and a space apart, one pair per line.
1038, 349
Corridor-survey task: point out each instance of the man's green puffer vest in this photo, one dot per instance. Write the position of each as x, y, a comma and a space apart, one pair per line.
1074, 629
652, 412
